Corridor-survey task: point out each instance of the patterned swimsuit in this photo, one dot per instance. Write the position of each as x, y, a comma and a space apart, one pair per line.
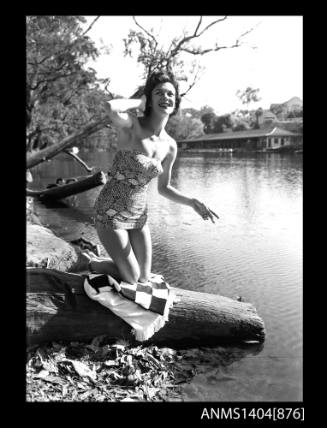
122, 204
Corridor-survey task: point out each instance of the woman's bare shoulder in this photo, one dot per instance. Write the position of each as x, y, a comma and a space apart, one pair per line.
171, 149
172, 145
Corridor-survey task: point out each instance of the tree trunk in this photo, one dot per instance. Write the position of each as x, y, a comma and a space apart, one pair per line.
69, 189
57, 308
51, 151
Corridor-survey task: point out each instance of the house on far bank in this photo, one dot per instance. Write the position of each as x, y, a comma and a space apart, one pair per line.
249, 140
293, 105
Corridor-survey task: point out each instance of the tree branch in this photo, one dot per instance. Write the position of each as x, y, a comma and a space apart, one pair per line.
198, 26
186, 39
79, 160
146, 32
199, 51
195, 80
59, 76
211, 24
91, 25
54, 149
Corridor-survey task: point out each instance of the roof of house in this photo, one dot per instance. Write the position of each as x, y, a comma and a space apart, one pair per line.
274, 132
293, 100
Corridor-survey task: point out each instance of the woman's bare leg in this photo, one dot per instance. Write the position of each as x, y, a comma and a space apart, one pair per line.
104, 265
140, 240
117, 244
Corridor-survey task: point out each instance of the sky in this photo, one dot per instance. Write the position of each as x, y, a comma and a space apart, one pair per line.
270, 58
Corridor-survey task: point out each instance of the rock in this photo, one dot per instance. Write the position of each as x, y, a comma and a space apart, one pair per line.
45, 249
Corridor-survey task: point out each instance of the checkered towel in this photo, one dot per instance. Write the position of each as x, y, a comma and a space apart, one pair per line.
155, 295
144, 307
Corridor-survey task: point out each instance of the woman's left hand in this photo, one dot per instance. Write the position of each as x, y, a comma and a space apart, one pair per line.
204, 211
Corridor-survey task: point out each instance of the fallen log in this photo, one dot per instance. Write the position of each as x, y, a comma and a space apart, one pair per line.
65, 190
57, 308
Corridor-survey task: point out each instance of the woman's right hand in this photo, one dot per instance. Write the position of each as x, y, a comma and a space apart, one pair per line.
204, 211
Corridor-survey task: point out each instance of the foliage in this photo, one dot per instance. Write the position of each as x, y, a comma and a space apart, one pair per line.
61, 94
183, 126
208, 120
243, 120
216, 124
295, 113
222, 122
249, 95
105, 139
241, 126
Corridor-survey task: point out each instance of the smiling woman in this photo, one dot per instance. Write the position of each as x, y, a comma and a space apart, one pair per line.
145, 151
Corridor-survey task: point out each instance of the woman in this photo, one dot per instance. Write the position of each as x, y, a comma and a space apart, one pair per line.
145, 151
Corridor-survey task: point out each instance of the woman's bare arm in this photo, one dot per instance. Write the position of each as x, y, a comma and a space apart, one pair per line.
118, 110
164, 187
169, 192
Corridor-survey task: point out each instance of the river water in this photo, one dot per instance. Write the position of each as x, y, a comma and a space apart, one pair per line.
254, 250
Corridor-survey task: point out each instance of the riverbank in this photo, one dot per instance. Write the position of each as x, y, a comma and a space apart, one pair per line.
100, 370
44, 249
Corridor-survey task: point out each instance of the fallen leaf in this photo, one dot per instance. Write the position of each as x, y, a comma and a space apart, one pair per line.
50, 366
42, 374
82, 369
110, 363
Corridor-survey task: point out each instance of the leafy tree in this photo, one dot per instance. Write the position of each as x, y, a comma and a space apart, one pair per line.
216, 124
208, 119
61, 94
182, 126
258, 113
249, 95
240, 126
222, 122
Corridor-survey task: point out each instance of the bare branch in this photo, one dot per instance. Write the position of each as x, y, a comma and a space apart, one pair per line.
195, 80
195, 34
199, 51
90, 26
211, 24
198, 26
146, 32
79, 160
244, 34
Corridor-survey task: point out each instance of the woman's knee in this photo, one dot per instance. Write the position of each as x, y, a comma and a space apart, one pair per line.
129, 272
119, 248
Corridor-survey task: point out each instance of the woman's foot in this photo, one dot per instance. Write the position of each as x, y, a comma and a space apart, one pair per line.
101, 265
82, 263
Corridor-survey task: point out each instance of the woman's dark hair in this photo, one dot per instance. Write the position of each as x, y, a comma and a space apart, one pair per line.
155, 79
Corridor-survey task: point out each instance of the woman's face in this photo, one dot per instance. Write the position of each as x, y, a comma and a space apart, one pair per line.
163, 98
